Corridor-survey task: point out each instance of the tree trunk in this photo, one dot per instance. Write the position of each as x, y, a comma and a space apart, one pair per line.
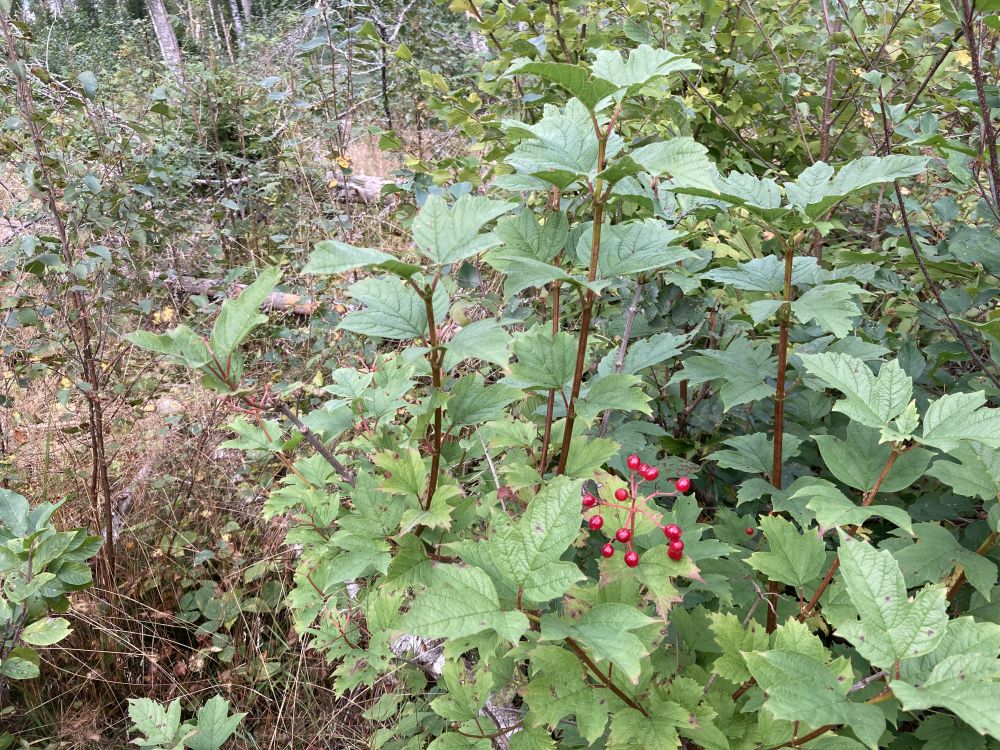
234, 10
247, 12
165, 35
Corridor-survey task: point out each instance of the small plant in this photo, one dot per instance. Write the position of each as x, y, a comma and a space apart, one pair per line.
39, 567
162, 729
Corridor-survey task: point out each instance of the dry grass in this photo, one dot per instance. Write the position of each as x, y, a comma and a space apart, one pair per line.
187, 496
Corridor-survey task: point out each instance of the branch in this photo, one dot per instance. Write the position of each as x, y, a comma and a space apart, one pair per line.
346, 474
606, 680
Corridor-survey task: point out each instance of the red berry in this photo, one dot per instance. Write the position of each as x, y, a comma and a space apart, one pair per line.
623, 535
643, 468
683, 484
675, 554
633, 462
676, 545
589, 501
621, 494
595, 522
608, 550
672, 531
652, 473
632, 558
750, 531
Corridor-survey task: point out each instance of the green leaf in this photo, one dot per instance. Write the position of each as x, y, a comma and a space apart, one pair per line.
631, 247
964, 637
526, 236
605, 631
241, 315
527, 553
393, 310
465, 694
456, 741
754, 453
524, 273
531, 739
794, 558
591, 91
160, 725
832, 306
616, 391
544, 360
262, 437
890, 627
181, 344
977, 474
816, 188
734, 640
958, 417
858, 461
89, 83
658, 731
953, 686
471, 402
459, 602
976, 245
587, 456
561, 147
802, 689
744, 369
46, 631
870, 400
406, 472
935, 555
640, 65
485, 340
450, 234
20, 664
644, 353
559, 687
13, 512
682, 159
215, 725
759, 196
833, 509
334, 257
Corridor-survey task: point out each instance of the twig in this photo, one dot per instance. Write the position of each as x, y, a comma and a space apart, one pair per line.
918, 255
989, 137
608, 683
620, 359
346, 474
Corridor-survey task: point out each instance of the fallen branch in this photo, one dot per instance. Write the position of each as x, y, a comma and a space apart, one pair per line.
215, 289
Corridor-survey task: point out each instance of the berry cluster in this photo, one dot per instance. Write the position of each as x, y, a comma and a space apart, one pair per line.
640, 472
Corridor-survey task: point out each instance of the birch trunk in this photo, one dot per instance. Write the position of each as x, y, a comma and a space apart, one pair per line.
165, 35
234, 10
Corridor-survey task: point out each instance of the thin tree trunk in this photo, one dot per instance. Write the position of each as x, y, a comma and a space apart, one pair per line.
234, 10
165, 35
247, 13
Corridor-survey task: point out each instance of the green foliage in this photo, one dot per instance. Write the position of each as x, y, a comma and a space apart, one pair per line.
675, 242
162, 729
39, 567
